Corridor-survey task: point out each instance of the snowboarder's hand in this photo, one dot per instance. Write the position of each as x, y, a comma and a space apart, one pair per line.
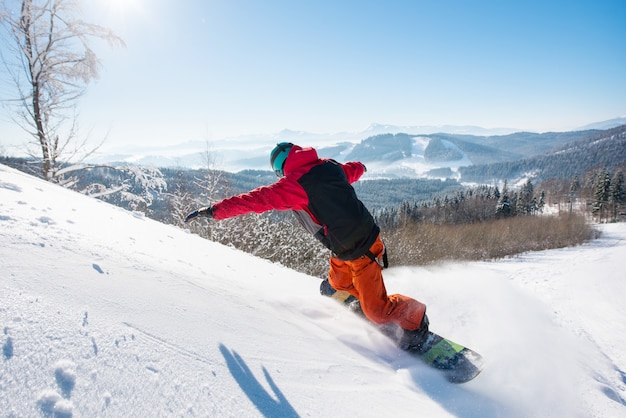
204, 212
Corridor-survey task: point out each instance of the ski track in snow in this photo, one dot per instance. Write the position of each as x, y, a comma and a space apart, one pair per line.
107, 313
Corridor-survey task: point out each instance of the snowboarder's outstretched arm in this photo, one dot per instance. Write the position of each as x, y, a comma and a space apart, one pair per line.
285, 194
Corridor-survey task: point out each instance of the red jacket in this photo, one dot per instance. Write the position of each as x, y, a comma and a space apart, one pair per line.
319, 192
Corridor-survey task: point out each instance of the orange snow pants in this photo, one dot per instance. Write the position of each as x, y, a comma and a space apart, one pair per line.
363, 278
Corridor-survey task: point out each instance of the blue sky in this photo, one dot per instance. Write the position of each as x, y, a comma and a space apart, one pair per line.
206, 69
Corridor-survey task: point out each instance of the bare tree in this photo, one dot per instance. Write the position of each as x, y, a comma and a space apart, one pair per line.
51, 65
212, 186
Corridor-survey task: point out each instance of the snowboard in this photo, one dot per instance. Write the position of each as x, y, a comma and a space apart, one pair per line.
457, 363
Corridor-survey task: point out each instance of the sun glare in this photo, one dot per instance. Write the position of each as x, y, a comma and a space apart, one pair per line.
122, 7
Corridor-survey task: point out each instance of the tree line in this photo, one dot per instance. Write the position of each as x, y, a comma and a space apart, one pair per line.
599, 192
167, 195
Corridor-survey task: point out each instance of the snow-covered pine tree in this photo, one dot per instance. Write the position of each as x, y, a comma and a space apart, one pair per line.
602, 190
617, 193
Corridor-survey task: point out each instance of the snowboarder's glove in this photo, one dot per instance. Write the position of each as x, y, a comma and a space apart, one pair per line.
204, 212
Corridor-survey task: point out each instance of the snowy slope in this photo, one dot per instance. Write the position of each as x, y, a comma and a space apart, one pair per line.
106, 313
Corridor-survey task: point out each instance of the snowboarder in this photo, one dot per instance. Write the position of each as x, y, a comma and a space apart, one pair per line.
320, 194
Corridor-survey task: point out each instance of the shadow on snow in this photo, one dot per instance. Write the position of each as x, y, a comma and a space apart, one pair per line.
268, 405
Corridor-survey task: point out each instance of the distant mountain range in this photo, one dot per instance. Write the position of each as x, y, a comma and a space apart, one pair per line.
595, 149
388, 151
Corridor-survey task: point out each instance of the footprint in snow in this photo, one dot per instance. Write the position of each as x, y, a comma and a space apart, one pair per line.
50, 401
7, 348
65, 375
46, 220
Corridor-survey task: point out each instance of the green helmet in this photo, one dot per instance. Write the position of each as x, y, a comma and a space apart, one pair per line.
278, 157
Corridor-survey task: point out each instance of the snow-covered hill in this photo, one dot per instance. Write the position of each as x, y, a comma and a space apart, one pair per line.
106, 313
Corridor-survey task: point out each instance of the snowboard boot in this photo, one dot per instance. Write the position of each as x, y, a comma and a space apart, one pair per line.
413, 340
